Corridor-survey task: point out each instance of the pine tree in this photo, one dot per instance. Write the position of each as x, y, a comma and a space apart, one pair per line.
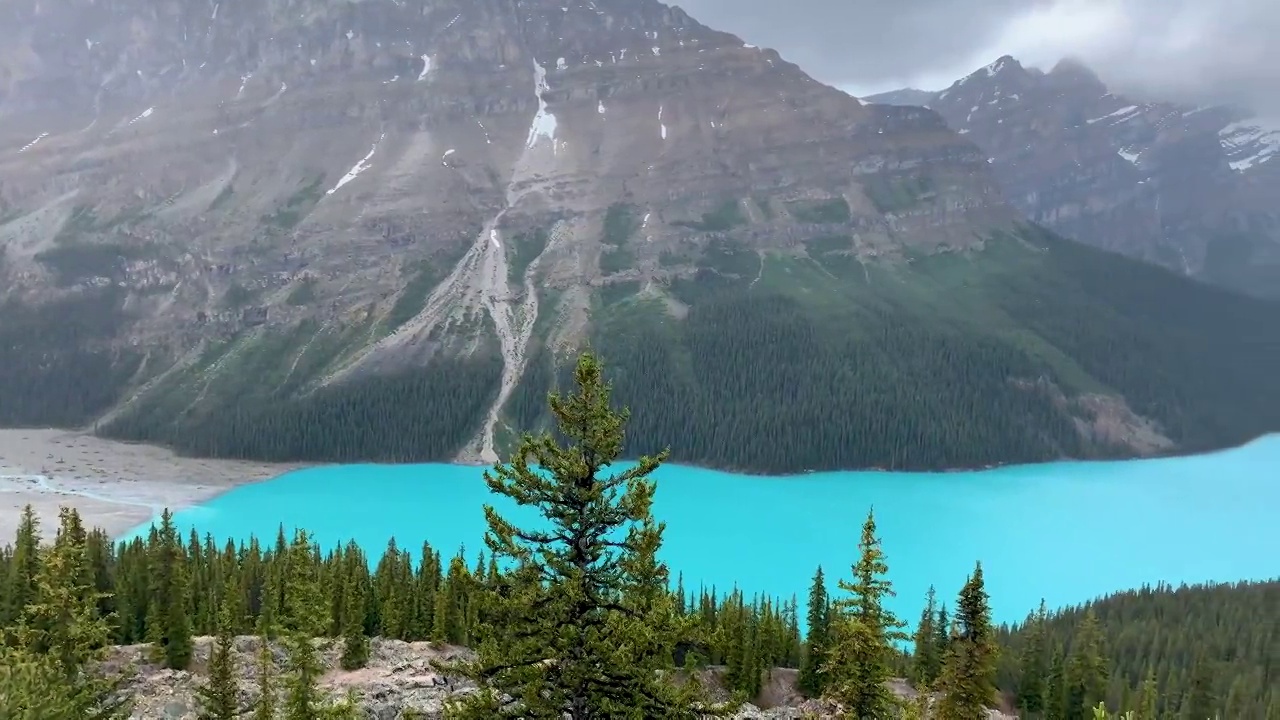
46, 674
864, 633
1149, 698
1087, 671
265, 707
1201, 699
167, 618
586, 614
1034, 663
1055, 701
219, 697
926, 663
942, 634
968, 675
355, 644
811, 680
24, 565
304, 619
303, 698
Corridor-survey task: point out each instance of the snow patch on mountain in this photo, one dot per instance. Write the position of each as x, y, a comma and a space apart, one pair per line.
544, 123
356, 169
1127, 112
1248, 144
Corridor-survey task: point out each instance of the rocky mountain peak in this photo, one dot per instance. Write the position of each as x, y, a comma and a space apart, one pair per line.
1177, 185
1003, 69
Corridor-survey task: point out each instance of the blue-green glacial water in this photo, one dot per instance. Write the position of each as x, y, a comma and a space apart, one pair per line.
1066, 531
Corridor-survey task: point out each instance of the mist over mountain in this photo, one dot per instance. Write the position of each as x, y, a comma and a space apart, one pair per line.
1192, 188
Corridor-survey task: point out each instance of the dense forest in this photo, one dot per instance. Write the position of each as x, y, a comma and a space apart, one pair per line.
952, 363
409, 416
946, 361
581, 617
56, 367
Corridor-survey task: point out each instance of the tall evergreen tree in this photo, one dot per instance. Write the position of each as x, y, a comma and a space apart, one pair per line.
926, 661
170, 626
864, 633
355, 644
811, 680
265, 706
968, 676
20, 585
942, 634
49, 672
587, 616
219, 697
1055, 700
1147, 703
1087, 672
1034, 662
1201, 699
304, 619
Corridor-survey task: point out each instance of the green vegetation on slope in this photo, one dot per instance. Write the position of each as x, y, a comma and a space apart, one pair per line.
936, 363
1206, 650
1246, 260
74, 262
265, 407
294, 209
56, 368
580, 620
945, 361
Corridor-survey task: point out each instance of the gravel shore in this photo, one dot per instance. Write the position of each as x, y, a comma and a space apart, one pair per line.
114, 485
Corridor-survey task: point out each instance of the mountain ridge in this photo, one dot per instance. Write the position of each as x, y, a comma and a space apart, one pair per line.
1187, 187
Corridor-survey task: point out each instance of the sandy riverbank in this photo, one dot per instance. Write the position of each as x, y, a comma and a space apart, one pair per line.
114, 485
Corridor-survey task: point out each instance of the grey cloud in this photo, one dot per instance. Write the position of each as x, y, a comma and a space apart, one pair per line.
1189, 50
862, 42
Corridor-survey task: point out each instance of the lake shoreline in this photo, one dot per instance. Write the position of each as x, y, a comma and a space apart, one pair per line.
115, 485
118, 485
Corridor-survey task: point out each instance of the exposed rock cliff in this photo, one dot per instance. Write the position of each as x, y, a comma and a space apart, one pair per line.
1191, 188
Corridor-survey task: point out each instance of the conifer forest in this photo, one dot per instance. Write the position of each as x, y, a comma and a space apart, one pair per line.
579, 619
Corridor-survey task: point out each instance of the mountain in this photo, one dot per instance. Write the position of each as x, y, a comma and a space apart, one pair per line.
332, 230
1190, 188
905, 96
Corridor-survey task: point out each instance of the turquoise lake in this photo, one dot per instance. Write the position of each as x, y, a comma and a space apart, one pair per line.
1066, 532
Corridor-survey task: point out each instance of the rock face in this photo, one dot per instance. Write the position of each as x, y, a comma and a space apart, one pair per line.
1190, 188
426, 170
399, 681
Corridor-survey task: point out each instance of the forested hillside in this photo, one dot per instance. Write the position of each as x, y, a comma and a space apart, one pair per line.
1198, 651
1033, 348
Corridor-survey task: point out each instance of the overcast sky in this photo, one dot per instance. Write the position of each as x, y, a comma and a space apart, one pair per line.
1191, 50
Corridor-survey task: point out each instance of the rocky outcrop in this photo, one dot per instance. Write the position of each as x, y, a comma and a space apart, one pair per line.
401, 679
215, 146
1190, 188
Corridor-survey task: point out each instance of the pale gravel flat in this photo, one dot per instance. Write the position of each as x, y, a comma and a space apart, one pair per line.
114, 485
